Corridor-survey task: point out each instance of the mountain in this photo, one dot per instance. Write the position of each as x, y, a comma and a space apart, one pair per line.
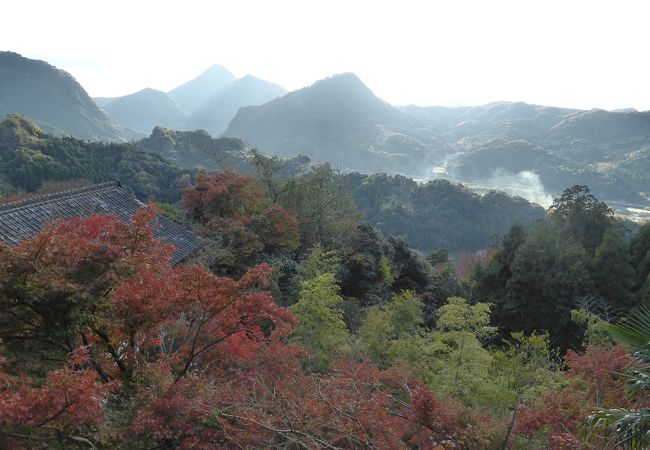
195, 92
29, 157
146, 109
338, 120
54, 99
215, 114
602, 149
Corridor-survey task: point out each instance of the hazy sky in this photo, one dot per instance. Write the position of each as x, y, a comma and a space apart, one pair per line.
573, 53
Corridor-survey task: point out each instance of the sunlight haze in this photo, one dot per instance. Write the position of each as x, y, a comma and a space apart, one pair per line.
582, 54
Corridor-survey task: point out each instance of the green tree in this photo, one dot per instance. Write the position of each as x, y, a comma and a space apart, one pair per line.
584, 217
317, 262
640, 255
549, 274
492, 278
384, 264
320, 327
462, 369
384, 328
612, 272
326, 211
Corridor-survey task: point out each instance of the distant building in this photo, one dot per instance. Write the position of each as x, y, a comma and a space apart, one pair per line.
26, 218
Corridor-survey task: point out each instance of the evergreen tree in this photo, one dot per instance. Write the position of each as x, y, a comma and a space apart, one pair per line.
640, 255
582, 216
613, 274
549, 274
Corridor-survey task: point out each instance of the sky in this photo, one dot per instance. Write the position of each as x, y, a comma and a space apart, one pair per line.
572, 53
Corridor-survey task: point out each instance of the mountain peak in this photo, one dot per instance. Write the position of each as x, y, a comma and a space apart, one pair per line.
339, 120
215, 114
216, 69
343, 79
197, 91
344, 85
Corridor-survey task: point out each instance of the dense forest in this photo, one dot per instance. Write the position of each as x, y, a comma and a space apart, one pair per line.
300, 325
438, 214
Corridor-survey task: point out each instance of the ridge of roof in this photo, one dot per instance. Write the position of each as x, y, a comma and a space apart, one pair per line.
57, 195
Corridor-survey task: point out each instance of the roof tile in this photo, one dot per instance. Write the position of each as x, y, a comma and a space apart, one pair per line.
24, 219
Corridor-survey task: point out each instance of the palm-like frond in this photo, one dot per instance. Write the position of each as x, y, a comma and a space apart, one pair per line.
634, 331
631, 428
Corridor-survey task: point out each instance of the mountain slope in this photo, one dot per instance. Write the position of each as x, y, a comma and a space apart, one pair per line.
337, 120
54, 99
30, 157
215, 114
145, 109
103, 101
197, 91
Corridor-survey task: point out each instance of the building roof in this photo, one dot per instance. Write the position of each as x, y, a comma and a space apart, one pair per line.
24, 219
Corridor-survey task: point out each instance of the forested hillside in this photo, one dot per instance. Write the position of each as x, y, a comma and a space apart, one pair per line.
29, 157
197, 149
339, 120
54, 99
438, 214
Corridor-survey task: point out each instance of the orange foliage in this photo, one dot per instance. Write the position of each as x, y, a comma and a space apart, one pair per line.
105, 290
594, 381
234, 207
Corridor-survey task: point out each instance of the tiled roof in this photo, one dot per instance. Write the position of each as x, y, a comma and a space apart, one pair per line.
24, 219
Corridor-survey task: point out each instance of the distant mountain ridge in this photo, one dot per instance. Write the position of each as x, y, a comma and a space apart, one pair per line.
213, 103
217, 112
194, 93
146, 109
54, 99
564, 146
